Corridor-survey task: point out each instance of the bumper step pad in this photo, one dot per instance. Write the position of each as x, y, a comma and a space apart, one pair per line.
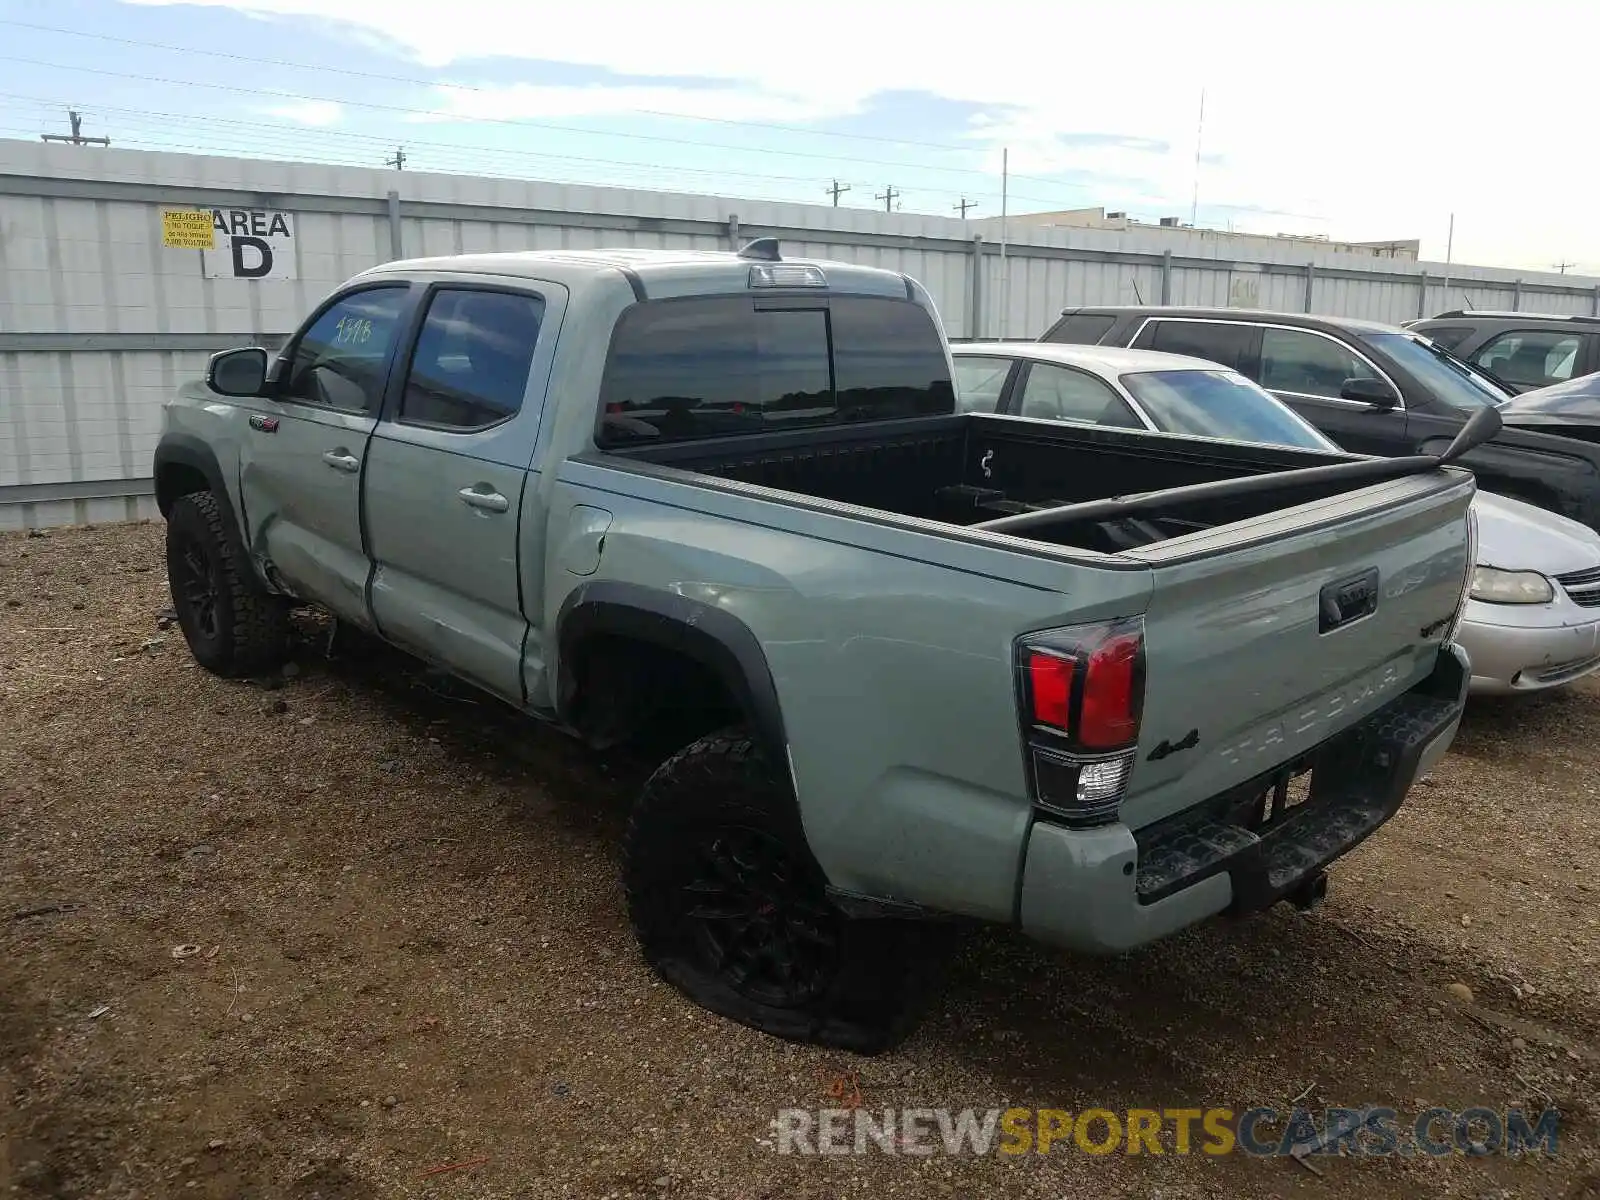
1358, 781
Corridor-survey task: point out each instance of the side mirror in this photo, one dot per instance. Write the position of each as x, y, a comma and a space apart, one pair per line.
240, 372
1369, 391
1480, 427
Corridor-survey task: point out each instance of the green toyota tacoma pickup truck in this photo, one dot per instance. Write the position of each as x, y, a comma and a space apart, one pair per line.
927, 664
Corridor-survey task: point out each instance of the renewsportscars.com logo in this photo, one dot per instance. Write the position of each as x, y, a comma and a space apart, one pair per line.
1373, 1131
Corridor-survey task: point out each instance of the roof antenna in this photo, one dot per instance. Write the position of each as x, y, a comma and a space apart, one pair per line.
764, 249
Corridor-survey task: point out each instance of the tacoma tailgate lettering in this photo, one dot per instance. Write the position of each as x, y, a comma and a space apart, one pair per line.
1324, 712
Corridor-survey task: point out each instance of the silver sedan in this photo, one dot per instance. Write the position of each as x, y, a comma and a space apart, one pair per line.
1532, 618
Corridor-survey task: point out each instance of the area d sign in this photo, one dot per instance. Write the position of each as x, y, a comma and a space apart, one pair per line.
251, 243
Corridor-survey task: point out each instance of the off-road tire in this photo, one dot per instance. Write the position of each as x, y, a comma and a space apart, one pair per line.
864, 981
247, 629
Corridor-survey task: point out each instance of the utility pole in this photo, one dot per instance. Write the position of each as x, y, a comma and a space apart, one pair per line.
889, 195
1449, 256
1562, 266
76, 136
963, 206
398, 162
1005, 208
836, 190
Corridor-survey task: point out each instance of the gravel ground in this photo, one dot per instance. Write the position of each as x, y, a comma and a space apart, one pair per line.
403, 946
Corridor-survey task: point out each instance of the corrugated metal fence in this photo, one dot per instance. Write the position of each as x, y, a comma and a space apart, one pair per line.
101, 319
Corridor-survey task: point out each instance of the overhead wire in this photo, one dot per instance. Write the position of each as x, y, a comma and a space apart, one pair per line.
446, 86
451, 152
467, 87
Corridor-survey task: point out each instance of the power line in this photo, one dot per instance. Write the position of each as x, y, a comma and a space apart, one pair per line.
515, 122
835, 190
389, 78
467, 87
303, 136
252, 131
166, 144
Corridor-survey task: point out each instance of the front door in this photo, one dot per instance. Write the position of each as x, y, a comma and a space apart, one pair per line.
1307, 370
446, 473
304, 447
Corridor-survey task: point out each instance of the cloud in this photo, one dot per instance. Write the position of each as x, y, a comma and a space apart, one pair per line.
307, 112
543, 102
1361, 116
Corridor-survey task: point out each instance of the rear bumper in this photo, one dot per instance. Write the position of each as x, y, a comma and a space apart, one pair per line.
1110, 889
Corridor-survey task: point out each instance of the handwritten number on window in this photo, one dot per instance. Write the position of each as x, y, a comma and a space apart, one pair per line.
352, 331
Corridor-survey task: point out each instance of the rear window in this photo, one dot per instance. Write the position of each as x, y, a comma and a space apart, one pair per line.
721, 365
1222, 342
1082, 329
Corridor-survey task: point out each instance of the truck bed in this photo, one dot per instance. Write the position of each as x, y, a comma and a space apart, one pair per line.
969, 468
1306, 589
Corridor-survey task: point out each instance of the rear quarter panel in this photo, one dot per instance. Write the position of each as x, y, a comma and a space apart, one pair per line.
891, 651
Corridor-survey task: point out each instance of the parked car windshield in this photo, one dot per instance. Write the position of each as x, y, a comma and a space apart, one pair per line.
1220, 404
1572, 399
1435, 368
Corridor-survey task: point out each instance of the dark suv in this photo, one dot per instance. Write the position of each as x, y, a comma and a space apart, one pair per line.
1374, 389
1521, 350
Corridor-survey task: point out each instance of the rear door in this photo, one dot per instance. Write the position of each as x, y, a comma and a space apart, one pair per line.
302, 456
446, 476
1249, 662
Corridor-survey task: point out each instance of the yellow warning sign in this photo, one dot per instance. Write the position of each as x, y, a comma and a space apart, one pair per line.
187, 229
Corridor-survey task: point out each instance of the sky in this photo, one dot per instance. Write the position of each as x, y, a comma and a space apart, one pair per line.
1356, 121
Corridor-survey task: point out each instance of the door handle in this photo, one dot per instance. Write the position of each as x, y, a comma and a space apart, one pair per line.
340, 460
489, 501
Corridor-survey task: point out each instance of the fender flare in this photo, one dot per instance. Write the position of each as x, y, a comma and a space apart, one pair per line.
187, 450
713, 637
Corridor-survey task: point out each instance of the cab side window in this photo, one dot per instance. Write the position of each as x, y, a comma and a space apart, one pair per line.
470, 368
342, 360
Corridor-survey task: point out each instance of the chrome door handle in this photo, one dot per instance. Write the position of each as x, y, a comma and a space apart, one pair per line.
490, 501
341, 462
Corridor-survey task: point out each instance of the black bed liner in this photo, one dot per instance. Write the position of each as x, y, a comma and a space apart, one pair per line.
1019, 476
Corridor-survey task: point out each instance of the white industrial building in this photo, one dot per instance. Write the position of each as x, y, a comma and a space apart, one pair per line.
106, 304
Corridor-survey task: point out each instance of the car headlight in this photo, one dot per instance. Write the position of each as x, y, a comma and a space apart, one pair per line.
1494, 586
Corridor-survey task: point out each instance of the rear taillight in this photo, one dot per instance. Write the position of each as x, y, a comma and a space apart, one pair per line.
1466, 583
1081, 692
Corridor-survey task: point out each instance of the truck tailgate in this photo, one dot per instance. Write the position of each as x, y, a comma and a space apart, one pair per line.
1266, 637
